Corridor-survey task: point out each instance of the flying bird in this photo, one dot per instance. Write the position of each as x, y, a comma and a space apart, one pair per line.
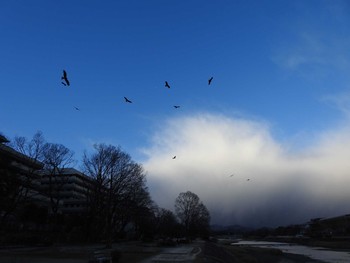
209, 80
167, 85
232, 175
127, 100
174, 157
65, 78
176, 106
76, 108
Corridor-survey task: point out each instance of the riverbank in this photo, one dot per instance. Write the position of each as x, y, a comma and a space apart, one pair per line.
224, 252
341, 244
136, 252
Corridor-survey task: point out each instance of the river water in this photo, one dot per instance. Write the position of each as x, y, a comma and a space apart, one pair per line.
318, 253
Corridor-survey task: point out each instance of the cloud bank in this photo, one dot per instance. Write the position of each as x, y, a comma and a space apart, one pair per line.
285, 186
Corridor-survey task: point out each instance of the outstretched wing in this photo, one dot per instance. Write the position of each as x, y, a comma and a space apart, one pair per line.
127, 100
65, 78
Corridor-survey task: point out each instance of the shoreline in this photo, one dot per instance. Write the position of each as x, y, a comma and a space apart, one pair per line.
249, 254
137, 252
336, 244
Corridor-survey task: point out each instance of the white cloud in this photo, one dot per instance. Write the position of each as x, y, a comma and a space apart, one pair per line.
285, 187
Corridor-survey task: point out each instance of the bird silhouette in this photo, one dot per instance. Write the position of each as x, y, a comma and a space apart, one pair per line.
167, 85
76, 108
174, 157
232, 175
209, 80
127, 100
65, 78
176, 106
248, 179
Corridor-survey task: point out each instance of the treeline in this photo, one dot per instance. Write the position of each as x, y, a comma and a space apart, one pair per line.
117, 202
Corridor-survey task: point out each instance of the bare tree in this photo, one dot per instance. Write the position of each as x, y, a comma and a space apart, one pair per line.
32, 148
101, 166
139, 207
11, 190
119, 188
192, 213
19, 173
56, 158
167, 224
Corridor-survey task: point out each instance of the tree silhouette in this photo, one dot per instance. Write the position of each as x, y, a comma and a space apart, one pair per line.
119, 193
167, 224
33, 148
56, 157
18, 178
193, 214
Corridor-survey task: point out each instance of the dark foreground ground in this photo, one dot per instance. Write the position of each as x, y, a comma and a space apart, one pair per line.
207, 252
215, 253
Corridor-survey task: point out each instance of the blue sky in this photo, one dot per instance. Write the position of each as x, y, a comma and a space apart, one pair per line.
280, 72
